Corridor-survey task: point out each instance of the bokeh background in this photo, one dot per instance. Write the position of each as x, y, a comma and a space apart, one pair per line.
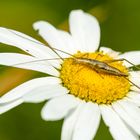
119, 20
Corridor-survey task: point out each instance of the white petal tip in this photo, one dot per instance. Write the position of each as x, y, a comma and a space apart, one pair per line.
47, 116
39, 24
77, 11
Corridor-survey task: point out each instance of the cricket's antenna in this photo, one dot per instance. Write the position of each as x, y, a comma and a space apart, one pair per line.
36, 61
39, 60
53, 49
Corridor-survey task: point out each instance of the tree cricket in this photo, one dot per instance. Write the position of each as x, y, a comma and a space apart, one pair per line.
96, 65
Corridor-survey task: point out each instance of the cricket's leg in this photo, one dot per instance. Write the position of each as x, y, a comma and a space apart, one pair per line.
98, 56
99, 73
122, 59
132, 83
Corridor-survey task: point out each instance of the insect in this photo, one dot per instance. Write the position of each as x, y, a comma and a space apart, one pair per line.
100, 66
96, 65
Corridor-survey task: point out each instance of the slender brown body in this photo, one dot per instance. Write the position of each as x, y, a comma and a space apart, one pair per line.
100, 66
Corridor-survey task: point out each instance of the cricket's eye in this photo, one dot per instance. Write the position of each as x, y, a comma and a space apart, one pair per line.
89, 85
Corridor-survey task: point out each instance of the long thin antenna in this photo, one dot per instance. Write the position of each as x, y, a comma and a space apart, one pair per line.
33, 62
36, 61
42, 44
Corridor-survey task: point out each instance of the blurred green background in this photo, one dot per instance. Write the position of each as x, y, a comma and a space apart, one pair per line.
119, 20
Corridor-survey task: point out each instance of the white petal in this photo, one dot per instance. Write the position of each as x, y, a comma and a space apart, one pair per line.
110, 52
135, 78
134, 97
26, 43
26, 87
56, 38
44, 93
116, 126
68, 42
70, 122
59, 107
129, 113
131, 109
8, 106
27, 62
132, 56
88, 122
85, 31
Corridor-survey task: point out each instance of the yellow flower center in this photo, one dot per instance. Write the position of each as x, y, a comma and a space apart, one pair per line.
91, 84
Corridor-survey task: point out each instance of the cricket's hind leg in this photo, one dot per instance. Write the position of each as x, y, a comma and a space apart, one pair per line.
122, 59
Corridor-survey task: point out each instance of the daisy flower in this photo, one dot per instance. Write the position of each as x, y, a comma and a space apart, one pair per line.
76, 92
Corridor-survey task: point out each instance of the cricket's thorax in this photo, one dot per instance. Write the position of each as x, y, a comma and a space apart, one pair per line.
89, 77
